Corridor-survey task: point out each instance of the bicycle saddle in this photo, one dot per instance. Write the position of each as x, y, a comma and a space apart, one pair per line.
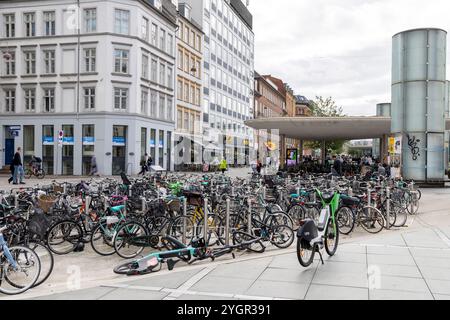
327, 197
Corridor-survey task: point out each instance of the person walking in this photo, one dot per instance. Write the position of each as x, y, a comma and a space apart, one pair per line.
149, 162
18, 168
144, 165
223, 166
258, 166
94, 169
11, 168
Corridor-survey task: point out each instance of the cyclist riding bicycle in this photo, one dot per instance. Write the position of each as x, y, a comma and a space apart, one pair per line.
35, 163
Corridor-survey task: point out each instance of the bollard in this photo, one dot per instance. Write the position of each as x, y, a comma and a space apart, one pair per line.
232, 191
117, 189
264, 192
369, 200
205, 220
227, 223
298, 192
184, 219
88, 200
388, 208
249, 222
143, 204
65, 188
16, 200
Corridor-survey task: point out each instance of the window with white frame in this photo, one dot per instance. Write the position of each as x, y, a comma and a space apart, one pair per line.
153, 103
162, 40
154, 71
49, 100
154, 34
162, 106
162, 74
49, 61
89, 98
30, 99
30, 24
170, 46
49, 23
120, 98
121, 21
144, 101
121, 61
10, 25
169, 108
144, 28
144, 66
9, 59
90, 56
30, 62
90, 20
10, 100
169, 77
180, 90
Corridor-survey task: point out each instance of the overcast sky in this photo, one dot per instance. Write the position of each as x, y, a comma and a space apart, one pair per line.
338, 48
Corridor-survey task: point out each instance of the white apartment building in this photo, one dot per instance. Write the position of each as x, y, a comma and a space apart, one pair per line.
100, 71
228, 76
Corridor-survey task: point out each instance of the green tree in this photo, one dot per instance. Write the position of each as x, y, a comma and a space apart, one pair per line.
326, 107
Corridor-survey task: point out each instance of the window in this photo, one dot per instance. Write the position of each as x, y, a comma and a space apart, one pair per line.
145, 66
30, 99
10, 25
162, 74
120, 98
154, 34
162, 107
197, 96
89, 59
89, 98
121, 21
192, 39
186, 62
192, 97
49, 100
10, 63
179, 119
186, 92
10, 100
180, 59
170, 44
49, 61
30, 24
186, 34
121, 61
144, 28
169, 78
30, 62
198, 43
162, 40
49, 23
186, 121
180, 90
90, 20
153, 103
144, 101
169, 109
154, 71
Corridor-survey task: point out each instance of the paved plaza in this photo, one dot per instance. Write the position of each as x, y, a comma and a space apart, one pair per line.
406, 263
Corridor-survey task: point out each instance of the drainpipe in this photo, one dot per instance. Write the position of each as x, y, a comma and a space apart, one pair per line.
78, 60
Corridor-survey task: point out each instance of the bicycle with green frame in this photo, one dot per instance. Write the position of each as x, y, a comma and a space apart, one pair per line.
312, 237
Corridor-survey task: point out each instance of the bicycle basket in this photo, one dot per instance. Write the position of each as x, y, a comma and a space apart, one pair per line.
193, 198
57, 189
46, 202
173, 205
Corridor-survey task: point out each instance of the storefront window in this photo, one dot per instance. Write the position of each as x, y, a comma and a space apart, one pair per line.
169, 149
143, 142
48, 145
28, 144
67, 150
119, 150
88, 147
161, 148
153, 145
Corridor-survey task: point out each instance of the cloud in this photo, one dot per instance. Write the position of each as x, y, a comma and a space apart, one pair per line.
338, 48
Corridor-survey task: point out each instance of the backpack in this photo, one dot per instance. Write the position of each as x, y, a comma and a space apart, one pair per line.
39, 223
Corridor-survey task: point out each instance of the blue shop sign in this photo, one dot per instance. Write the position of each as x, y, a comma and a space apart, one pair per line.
88, 140
48, 140
161, 143
68, 140
152, 143
118, 141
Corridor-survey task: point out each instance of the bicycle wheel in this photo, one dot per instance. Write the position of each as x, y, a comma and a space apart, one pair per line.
248, 242
28, 174
64, 237
278, 218
282, 236
297, 214
46, 259
401, 216
124, 239
331, 238
394, 207
372, 220
15, 281
413, 205
305, 254
102, 239
345, 220
183, 228
215, 234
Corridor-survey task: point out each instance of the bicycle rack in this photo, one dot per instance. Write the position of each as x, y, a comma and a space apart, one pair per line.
227, 223
205, 220
184, 219
388, 208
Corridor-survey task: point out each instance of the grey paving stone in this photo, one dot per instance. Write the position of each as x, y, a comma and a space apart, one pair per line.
84, 294
343, 267
287, 261
424, 238
421, 252
278, 289
342, 274
398, 295
133, 294
222, 285
386, 239
400, 284
246, 270
433, 273
397, 251
203, 297
376, 259
441, 297
433, 262
395, 270
288, 275
352, 248
439, 286
347, 257
171, 280
323, 292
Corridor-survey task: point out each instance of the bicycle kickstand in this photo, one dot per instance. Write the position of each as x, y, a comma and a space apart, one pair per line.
320, 255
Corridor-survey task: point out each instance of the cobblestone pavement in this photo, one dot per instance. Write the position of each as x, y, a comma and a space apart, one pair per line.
406, 263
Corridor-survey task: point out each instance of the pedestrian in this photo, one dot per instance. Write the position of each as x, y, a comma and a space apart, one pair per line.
144, 167
149, 162
381, 170
223, 166
18, 168
258, 166
94, 169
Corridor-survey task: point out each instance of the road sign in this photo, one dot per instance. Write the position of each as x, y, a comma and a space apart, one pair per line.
60, 137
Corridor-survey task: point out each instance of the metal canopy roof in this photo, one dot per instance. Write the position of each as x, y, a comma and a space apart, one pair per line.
313, 128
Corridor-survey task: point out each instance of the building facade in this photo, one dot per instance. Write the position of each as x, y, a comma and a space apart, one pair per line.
189, 122
100, 73
227, 78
